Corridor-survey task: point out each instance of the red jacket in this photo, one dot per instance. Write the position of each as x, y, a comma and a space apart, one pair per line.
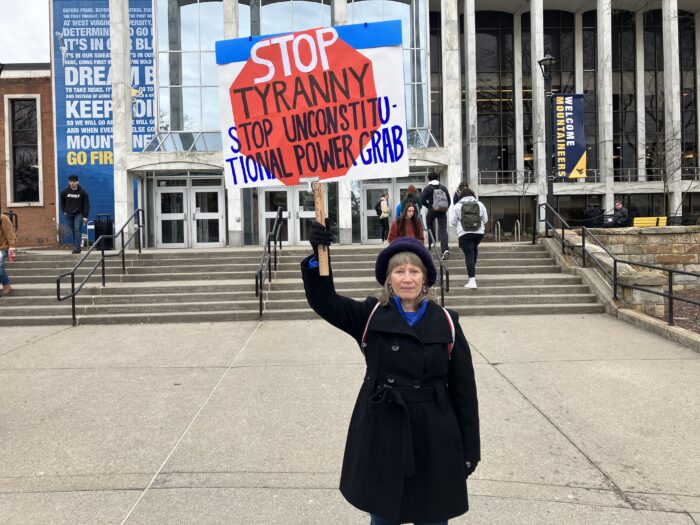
409, 231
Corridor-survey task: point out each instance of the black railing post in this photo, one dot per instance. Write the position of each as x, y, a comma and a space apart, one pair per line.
269, 259
257, 284
102, 260
535, 214
138, 226
72, 297
442, 285
583, 246
563, 246
261, 295
615, 279
670, 297
123, 252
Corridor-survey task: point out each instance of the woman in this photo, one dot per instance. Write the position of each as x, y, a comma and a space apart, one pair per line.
384, 217
414, 433
411, 196
8, 240
407, 225
470, 224
463, 184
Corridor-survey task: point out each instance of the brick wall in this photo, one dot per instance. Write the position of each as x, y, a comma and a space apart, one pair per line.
37, 223
676, 247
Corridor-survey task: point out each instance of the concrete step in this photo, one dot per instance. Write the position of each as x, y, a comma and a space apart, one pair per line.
450, 301
133, 318
131, 263
455, 279
135, 308
539, 309
455, 291
158, 298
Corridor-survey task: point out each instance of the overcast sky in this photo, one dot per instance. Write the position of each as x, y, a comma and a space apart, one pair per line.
24, 31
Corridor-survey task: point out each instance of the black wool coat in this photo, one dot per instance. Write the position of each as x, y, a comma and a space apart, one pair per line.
416, 419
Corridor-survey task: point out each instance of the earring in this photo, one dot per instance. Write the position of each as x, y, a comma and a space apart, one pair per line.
391, 290
425, 290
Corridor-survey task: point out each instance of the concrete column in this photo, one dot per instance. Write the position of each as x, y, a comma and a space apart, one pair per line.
639, 88
605, 105
234, 196
339, 17
339, 12
121, 113
578, 52
538, 101
452, 92
672, 106
697, 85
471, 150
518, 92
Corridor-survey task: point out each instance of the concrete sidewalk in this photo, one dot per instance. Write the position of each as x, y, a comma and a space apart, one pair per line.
585, 420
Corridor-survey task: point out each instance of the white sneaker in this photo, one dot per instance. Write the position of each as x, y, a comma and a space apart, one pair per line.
471, 284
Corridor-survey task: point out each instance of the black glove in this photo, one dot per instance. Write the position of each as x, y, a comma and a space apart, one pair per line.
319, 234
469, 468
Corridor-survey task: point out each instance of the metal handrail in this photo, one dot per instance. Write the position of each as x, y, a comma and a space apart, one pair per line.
138, 218
444, 270
516, 231
266, 261
505, 177
497, 231
612, 276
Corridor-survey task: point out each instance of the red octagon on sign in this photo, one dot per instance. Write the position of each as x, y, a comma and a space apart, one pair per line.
301, 124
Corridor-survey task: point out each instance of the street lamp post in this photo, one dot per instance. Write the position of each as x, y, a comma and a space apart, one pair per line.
546, 65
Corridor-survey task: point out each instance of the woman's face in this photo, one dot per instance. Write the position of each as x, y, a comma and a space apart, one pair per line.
407, 282
410, 211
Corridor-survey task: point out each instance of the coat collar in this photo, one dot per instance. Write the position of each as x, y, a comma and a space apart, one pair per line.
433, 328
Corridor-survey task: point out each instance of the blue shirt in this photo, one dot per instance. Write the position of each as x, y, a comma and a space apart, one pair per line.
411, 317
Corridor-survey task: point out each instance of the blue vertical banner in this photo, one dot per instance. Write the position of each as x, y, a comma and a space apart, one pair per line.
83, 92
569, 136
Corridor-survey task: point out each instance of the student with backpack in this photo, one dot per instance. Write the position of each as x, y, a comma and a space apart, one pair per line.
414, 432
469, 217
436, 198
383, 211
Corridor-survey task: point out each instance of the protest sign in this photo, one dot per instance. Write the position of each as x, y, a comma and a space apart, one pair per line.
570, 137
325, 102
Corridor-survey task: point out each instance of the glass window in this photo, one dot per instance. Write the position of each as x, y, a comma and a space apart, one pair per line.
624, 96
494, 83
24, 147
414, 36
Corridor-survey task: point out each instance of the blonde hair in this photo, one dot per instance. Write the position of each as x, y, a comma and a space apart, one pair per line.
400, 259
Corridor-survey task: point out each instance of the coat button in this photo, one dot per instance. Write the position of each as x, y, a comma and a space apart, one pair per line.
390, 380
395, 348
416, 383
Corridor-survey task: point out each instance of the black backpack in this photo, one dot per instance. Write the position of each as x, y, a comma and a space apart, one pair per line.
378, 207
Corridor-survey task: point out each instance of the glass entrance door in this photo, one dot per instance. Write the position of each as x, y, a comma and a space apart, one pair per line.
171, 218
372, 228
306, 212
271, 200
207, 212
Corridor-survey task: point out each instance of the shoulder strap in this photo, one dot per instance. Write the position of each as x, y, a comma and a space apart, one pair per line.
364, 334
450, 346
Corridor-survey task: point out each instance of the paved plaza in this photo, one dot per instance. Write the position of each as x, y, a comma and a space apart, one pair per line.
585, 420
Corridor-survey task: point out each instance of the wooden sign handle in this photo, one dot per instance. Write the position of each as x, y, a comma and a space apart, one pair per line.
320, 205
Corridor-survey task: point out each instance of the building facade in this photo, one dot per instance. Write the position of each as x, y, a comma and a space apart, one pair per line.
28, 181
475, 110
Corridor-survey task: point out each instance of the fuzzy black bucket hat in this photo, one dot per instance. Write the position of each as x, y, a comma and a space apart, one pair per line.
405, 244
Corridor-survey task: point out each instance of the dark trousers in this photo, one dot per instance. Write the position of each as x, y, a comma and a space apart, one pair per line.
469, 243
75, 225
385, 228
441, 217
